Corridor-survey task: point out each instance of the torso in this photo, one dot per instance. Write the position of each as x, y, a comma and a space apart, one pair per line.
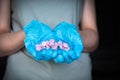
51, 12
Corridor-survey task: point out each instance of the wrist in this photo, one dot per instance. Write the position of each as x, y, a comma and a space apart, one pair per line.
22, 34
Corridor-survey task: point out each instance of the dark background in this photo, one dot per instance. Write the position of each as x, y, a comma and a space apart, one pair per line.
105, 59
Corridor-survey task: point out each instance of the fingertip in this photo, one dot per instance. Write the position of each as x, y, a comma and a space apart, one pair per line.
43, 52
54, 54
77, 53
39, 54
48, 55
67, 57
55, 60
60, 59
72, 54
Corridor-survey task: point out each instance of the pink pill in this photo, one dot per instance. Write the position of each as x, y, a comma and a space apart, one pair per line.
47, 47
47, 42
65, 45
55, 46
52, 40
61, 46
51, 43
38, 47
43, 43
59, 42
67, 49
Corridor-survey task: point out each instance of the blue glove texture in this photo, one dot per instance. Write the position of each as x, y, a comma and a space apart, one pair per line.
68, 34
35, 32
48, 53
39, 33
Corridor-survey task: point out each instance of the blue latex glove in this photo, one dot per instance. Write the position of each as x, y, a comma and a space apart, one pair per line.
68, 33
35, 33
48, 53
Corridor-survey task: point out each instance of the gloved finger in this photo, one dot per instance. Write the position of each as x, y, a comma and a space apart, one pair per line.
67, 57
39, 55
72, 55
54, 54
29, 45
59, 59
77, 50
78, 47
45, 28
77, 41
55, 60
64, 26
61, 33
42, 54
35, 27
48, 54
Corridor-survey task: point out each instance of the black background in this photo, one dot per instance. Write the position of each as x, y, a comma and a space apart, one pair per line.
105, 59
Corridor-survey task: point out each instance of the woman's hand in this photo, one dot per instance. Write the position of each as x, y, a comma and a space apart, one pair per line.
68, 34
35, 32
